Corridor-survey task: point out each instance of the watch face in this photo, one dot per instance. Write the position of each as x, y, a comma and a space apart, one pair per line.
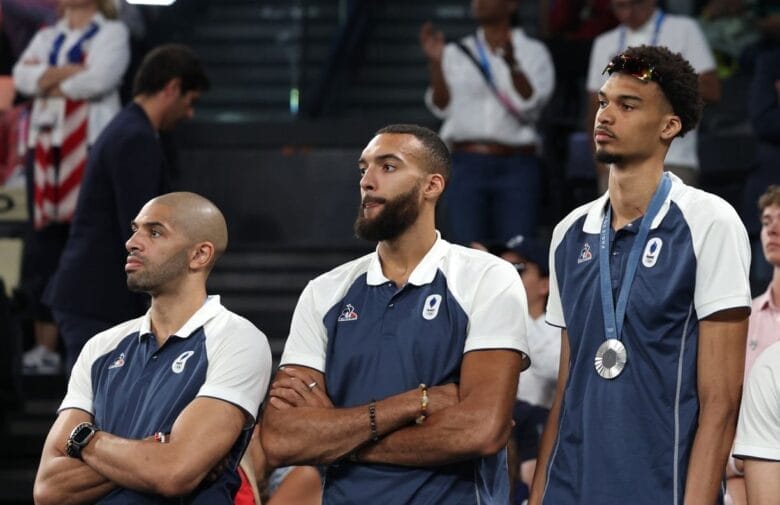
82, 434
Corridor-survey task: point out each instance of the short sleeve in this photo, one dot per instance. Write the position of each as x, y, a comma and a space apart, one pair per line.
758, 429
80, 394
239, 366
722, 260
554, 315
308, 340
498, 318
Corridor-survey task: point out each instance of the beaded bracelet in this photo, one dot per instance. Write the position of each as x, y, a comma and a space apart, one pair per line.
372, 420
423, 404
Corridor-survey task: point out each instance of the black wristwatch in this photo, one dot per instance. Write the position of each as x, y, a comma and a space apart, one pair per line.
79, 438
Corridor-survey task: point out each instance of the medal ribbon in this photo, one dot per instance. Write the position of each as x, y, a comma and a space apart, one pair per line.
615, 315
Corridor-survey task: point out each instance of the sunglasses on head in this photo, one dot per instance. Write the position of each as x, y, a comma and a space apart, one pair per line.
633, 66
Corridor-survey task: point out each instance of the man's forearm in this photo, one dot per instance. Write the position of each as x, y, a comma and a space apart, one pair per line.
441, 93
127, 462
709, 454
520, 81
454, 434
319, 435
67, 481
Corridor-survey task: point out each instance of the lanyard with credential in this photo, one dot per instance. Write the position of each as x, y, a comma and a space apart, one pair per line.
659, 20
611, 356
485, 65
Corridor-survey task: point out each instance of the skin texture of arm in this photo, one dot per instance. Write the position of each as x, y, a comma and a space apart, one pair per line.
301, 426
551, 427
519, 79
201, 438
63, 480
721, 361
762, 480
478, 425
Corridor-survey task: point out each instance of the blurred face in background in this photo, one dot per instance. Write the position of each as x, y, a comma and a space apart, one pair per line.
537, 286
486, 11
770, 233
633, 13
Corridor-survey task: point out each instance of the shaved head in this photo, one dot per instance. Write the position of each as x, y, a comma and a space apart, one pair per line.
197, 218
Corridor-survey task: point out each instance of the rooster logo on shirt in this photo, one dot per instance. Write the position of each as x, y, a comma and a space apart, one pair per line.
348, 314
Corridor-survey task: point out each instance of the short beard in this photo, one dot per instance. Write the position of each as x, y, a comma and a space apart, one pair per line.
150, 282
397, 216
609, 158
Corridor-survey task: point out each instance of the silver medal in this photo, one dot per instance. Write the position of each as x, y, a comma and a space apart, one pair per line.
610, 359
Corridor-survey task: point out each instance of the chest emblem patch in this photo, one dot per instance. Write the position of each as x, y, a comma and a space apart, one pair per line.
585, 254
348, 314
652, 250
181, 361
431, 307
118, 363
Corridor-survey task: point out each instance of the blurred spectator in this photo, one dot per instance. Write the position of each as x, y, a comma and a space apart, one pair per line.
764, 110
763, 332
643, 23
127, 167
72, 70
490, 89
764, 325
536, 388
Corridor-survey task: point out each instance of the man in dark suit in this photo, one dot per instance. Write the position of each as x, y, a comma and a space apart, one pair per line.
127, 167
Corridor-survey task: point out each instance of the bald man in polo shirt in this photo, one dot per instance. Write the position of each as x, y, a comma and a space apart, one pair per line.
157, 403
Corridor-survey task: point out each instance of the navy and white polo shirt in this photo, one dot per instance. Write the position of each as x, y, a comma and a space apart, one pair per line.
628, 440
373, 340
135, 389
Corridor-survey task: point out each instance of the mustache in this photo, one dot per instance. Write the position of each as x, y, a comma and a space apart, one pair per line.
134, 255
604, 129
372, 199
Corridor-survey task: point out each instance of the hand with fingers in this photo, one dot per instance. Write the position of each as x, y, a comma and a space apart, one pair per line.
298, 389
431, 41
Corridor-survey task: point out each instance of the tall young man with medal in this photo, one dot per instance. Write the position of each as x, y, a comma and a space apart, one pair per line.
649, 284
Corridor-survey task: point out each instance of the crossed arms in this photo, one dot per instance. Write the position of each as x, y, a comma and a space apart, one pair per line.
201, 437
301, 425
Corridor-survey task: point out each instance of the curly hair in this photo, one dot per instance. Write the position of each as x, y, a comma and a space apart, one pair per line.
677, 79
